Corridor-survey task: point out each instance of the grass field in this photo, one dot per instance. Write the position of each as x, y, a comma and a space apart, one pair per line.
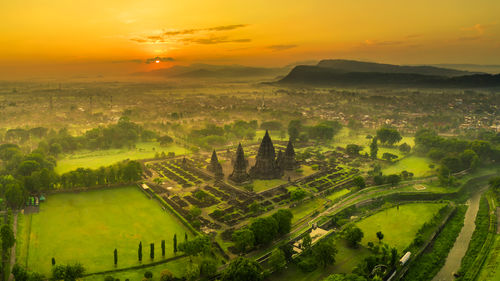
98, 158
338, 194
306, 208
491, 267
87, 227
345, 261
419, 166
398, 226
261, 185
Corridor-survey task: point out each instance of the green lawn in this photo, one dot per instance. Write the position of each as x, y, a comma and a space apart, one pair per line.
306, 208
98, 158
261, 185
338, 194
419, 166
87, 227
345, 261
398, 226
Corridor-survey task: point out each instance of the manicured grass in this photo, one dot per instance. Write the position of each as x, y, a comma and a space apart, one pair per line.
338, 194
398, 226
306, 208
261, 185
419, 166
87, 227
345, 261
98, 158
490, 270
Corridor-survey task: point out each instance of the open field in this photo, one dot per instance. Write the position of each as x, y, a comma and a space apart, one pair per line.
98, 158
412, 216
261, 185
87, 227
419, 166
345, 261
338, 194
306, 208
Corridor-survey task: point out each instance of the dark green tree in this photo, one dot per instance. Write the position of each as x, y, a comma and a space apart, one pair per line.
139, 252
243, 239
374, 148
353, 235
175, 243
243, 269
152, 250
380, 236
162, 248
325, 252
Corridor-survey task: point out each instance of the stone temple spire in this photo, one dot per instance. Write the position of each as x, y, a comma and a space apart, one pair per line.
239, 174
215, 167
289, 162
265, 163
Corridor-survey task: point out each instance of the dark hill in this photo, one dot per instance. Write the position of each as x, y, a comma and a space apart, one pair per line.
360, 66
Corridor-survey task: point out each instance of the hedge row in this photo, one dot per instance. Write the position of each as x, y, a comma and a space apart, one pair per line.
426, 266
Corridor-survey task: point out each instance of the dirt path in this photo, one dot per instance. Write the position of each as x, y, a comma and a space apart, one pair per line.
456, 254
13, 249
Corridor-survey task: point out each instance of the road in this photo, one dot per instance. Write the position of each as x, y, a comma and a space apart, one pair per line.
456, 254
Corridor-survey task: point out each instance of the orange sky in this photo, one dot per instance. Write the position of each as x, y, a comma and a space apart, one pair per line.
39, 37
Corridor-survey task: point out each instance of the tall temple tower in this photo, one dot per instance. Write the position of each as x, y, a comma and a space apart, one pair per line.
240, 174
215, 167
266, 166
289, 162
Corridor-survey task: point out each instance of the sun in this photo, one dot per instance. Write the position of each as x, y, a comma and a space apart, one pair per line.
157, 61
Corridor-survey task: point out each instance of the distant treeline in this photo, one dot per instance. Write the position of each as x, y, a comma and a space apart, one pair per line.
122, 134
456, 154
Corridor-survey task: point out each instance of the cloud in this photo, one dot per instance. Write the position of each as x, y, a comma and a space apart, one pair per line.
215, 40
195, 36
276, 48
369, 42
127, 61
479, 28
153, 60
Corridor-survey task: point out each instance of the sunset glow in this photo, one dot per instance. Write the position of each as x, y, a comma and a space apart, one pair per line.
118, 36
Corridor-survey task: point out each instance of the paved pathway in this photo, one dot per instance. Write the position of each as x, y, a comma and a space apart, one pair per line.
456, 254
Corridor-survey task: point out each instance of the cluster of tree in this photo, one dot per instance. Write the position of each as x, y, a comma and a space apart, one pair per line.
19, 135
211, 135
122, 172
24, 174
388, 136
353, 235
271, 125
455, 154
382, 260
321, 254
393, 179
263, 230
123, 134
323, 131
68, 272
21, 274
